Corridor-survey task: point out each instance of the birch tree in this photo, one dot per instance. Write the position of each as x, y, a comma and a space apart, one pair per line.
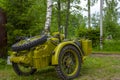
48, 15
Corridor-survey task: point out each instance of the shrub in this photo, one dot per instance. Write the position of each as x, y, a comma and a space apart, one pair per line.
92, 34
2, 61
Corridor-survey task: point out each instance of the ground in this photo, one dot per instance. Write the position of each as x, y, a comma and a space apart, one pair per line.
95, 67
101, 67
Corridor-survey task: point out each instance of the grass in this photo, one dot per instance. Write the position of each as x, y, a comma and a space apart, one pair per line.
93, 68
109, 46
101, 68
7, 73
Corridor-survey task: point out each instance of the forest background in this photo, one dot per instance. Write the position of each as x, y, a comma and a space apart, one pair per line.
27, 18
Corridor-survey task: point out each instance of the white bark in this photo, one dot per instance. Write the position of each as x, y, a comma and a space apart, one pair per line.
101, 24
48, 15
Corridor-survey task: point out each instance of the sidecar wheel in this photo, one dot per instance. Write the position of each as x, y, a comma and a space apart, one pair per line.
29, 43
69, 63
23, 70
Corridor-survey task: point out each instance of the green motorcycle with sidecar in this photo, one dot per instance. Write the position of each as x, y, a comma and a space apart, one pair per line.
42, 51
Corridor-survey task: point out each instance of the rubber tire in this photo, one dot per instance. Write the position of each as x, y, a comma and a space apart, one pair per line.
20, 72
29, 45
58, 68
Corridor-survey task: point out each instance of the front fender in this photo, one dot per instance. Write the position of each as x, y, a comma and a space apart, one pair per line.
58, 49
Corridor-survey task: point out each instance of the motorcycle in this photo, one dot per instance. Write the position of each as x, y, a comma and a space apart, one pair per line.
42, 51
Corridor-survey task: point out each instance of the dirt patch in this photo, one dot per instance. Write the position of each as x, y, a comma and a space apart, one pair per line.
105, 55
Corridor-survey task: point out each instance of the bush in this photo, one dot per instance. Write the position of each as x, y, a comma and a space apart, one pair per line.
2, 61
92, 34
109, 46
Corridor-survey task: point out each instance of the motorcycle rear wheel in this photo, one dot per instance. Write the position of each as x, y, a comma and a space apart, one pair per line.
23, 70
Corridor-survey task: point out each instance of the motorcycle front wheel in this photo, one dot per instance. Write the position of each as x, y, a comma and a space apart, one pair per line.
23, 70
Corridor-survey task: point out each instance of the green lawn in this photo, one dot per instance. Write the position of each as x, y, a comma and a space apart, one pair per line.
93, 68
7, 73
104, 67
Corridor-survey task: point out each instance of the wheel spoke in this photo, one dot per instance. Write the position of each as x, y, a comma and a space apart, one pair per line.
68, 63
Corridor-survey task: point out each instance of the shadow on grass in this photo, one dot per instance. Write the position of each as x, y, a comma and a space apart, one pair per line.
48, 73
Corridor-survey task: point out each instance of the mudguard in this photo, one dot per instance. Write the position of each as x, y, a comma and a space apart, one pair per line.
58, 49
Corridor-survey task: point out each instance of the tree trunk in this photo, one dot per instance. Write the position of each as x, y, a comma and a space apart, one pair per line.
48, 15
59, 16
3, 35
89, 16
67, 19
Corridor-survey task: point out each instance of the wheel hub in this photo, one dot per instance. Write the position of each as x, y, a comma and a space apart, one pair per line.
68, 62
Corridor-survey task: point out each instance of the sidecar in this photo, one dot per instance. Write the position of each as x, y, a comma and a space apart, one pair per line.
41, 51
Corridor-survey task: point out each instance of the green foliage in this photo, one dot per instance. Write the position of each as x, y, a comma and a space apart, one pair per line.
109, 46
117, 33
37, 15
110, 19
24, 17
2, 61
75, 19
92, 34
113, 45
17, 13
18, 21
1, 1
95, 20
27, 18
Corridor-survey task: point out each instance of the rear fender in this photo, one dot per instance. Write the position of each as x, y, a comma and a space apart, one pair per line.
58, 49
